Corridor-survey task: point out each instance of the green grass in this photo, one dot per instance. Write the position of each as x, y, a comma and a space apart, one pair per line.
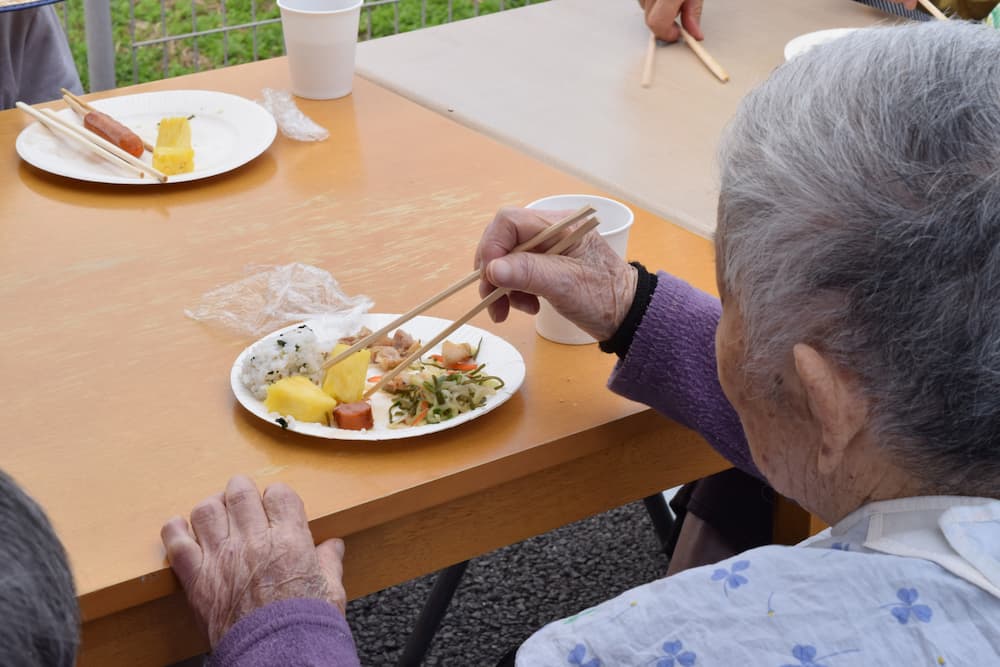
184, 56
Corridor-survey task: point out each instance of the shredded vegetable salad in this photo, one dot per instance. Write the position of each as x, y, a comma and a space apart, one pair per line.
434, 393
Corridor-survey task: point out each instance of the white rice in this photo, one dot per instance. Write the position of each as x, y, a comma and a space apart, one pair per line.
294, 352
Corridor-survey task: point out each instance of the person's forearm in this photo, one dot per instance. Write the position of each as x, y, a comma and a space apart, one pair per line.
302, 632
670, 366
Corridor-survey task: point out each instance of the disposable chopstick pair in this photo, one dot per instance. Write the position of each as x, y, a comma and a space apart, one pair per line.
711, 63
933, 11
495, 295
531, 243
97, 145
82, 109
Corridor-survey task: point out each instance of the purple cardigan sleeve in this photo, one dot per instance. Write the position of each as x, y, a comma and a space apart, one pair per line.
302, 632
670, 366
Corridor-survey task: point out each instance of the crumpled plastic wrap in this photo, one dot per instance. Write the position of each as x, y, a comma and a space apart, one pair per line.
271, 297
291, 121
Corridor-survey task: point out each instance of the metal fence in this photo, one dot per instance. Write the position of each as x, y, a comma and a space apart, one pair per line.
143, 39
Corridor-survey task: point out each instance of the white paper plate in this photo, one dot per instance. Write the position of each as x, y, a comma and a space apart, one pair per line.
227, 131
803, 43
501, 358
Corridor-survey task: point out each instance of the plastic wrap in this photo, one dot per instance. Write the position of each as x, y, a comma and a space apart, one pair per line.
291, 121
271, 297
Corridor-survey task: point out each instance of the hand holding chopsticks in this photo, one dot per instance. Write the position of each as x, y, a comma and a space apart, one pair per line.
531, 243
570, 239
711, 63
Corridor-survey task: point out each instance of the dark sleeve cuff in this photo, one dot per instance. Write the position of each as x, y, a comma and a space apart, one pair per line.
621, 341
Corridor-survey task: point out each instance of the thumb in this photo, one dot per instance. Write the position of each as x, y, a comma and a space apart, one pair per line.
331, 564
528, 272
183, 552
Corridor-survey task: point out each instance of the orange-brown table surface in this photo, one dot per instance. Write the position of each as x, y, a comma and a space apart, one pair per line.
118, 414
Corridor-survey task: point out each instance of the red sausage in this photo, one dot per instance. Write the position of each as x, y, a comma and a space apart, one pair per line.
105, 126
354, 416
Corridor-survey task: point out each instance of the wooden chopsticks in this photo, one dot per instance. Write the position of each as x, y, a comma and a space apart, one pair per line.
82, 109
92, 142
647, 67
495, 295
711, 63
933, 10
531, 243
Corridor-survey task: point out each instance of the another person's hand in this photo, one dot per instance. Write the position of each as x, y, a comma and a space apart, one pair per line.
247, 551
589, 283
661, 18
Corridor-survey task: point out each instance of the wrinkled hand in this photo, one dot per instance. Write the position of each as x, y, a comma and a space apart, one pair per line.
588, 284
661, 18
247, 551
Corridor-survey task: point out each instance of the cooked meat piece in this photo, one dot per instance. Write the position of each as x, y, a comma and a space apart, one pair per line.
396, 383
455, 353
403, 342
386, 357
351, 340
354, 416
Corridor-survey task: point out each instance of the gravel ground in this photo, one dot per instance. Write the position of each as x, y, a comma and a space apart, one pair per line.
509, 593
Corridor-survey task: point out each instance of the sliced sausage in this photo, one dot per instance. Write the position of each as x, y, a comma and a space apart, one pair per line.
354, 416
107, 127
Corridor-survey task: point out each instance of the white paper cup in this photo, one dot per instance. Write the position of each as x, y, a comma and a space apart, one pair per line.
615, 222
320, 38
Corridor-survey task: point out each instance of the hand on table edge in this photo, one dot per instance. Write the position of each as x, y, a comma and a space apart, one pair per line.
243, 550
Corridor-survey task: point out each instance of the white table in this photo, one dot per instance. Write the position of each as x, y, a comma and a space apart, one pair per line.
560, 80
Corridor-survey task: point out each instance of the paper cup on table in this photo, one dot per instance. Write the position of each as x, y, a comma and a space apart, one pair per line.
615, 222
320, 38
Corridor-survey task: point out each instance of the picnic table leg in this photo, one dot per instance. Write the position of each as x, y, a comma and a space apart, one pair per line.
663, 520
419, 641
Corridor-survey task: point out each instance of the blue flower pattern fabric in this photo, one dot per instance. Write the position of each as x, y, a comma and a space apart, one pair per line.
578, 655
806, 655
730, 578
676, 655
830, 602
908, 608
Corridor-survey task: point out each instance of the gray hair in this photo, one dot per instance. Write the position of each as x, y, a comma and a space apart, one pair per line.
860, 213
40, 620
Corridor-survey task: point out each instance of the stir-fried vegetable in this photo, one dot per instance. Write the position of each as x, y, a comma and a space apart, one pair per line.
435, 394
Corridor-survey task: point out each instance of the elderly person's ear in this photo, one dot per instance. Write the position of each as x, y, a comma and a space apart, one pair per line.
837, 407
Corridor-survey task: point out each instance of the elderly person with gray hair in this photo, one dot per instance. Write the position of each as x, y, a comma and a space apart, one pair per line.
858, 344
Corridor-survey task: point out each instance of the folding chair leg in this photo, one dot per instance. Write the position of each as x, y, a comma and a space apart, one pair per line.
663, 520
419, 641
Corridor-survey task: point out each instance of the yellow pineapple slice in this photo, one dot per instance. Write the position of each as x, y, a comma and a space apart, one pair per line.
173, 153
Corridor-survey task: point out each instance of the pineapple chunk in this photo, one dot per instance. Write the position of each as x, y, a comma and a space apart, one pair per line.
298, 397
173, 153
346, 381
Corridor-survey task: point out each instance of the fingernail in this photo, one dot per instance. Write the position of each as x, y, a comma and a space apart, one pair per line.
500, 272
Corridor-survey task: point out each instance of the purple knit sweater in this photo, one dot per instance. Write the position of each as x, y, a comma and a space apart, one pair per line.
670, 366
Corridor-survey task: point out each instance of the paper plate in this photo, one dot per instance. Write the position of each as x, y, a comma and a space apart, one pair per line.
803, 43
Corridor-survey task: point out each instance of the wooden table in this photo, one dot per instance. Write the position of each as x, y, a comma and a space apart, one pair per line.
560, 81
118, 411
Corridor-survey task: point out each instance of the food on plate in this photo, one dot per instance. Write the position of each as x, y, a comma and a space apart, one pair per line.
355, 416
297, 396
293, 352
108, 128
388, 353
433, 394
173, 153
345, 380
286, 372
